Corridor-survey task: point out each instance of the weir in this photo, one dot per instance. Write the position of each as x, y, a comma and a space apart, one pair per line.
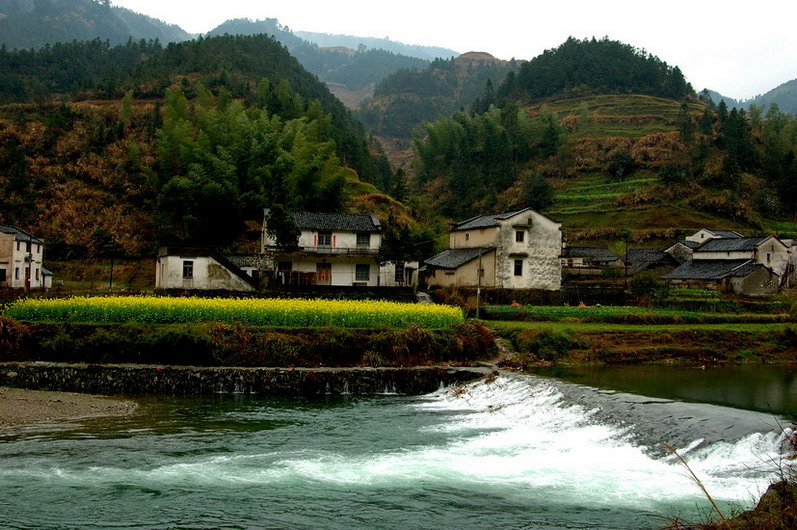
186, 380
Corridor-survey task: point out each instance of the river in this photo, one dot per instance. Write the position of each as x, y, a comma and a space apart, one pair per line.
522, 451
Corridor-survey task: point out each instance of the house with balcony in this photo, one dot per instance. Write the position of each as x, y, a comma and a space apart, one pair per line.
521, 249
334, 249
21, 256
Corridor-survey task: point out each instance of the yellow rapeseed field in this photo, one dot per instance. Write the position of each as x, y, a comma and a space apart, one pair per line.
248, 311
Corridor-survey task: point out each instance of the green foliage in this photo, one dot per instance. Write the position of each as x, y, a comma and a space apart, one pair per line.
222, 162
538, 192
282, 227
594, 66
648, 285
545, 344
476, 158
621, 165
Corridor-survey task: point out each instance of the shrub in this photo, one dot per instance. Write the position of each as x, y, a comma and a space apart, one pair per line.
12, 335
546, 345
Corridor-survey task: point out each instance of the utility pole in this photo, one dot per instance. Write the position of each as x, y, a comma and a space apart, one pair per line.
479, 286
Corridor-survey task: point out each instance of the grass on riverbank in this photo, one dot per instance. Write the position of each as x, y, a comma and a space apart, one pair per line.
220, 344
604, 343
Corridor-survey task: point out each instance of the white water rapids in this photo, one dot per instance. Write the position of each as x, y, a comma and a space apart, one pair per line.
518, 451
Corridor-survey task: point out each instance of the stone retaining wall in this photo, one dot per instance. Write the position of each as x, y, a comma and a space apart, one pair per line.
182, 380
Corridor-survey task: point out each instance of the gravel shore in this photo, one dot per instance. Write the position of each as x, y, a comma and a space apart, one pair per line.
19, 406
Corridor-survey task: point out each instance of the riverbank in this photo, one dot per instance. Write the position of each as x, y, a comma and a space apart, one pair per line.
20, 406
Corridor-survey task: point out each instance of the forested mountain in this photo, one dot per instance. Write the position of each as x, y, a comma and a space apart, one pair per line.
34, 23
153, 144
602, 136
594, 67
784, 96
407, 98
354, 67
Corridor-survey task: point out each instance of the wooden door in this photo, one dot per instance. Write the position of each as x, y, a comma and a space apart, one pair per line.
323, 274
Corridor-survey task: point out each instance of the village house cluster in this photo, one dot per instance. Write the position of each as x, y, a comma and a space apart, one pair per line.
522, 249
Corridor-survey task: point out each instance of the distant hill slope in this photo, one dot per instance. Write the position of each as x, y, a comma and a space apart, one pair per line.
407, 98
28, 24
428, 53
351, 71
784, 96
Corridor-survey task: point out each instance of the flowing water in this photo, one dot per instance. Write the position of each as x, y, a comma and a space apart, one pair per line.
522, 451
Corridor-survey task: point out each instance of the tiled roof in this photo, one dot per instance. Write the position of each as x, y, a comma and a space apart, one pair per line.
727, 234
19, 234
711, 269
597, 254
456, 257
337, 221
485, 221
328, 222
739, 244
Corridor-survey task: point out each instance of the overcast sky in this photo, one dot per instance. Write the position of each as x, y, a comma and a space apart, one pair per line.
740, 49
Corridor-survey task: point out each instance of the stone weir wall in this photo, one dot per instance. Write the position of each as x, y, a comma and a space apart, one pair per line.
182, 380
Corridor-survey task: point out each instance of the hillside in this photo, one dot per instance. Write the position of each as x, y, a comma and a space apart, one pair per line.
403, 101
143, 145
604, 152
28, 24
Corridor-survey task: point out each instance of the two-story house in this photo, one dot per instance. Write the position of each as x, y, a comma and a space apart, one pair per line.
21, 260
514, 250
334, 250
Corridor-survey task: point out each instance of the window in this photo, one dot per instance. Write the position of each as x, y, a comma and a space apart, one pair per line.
2, 275
17, 245
362, 272
16, 273
325, 239
467, 237
188, 269
520, 235
37, 275
363, 239
518, 267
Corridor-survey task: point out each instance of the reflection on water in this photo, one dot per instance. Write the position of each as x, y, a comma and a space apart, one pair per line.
771, 389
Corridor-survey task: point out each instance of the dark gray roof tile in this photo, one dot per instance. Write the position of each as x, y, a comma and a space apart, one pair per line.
485, 221
456, 257
739, 244
711, 269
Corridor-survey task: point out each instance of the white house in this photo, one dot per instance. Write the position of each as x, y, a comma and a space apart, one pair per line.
514, 250
21, 260
199, 268
336, 250
705, 234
